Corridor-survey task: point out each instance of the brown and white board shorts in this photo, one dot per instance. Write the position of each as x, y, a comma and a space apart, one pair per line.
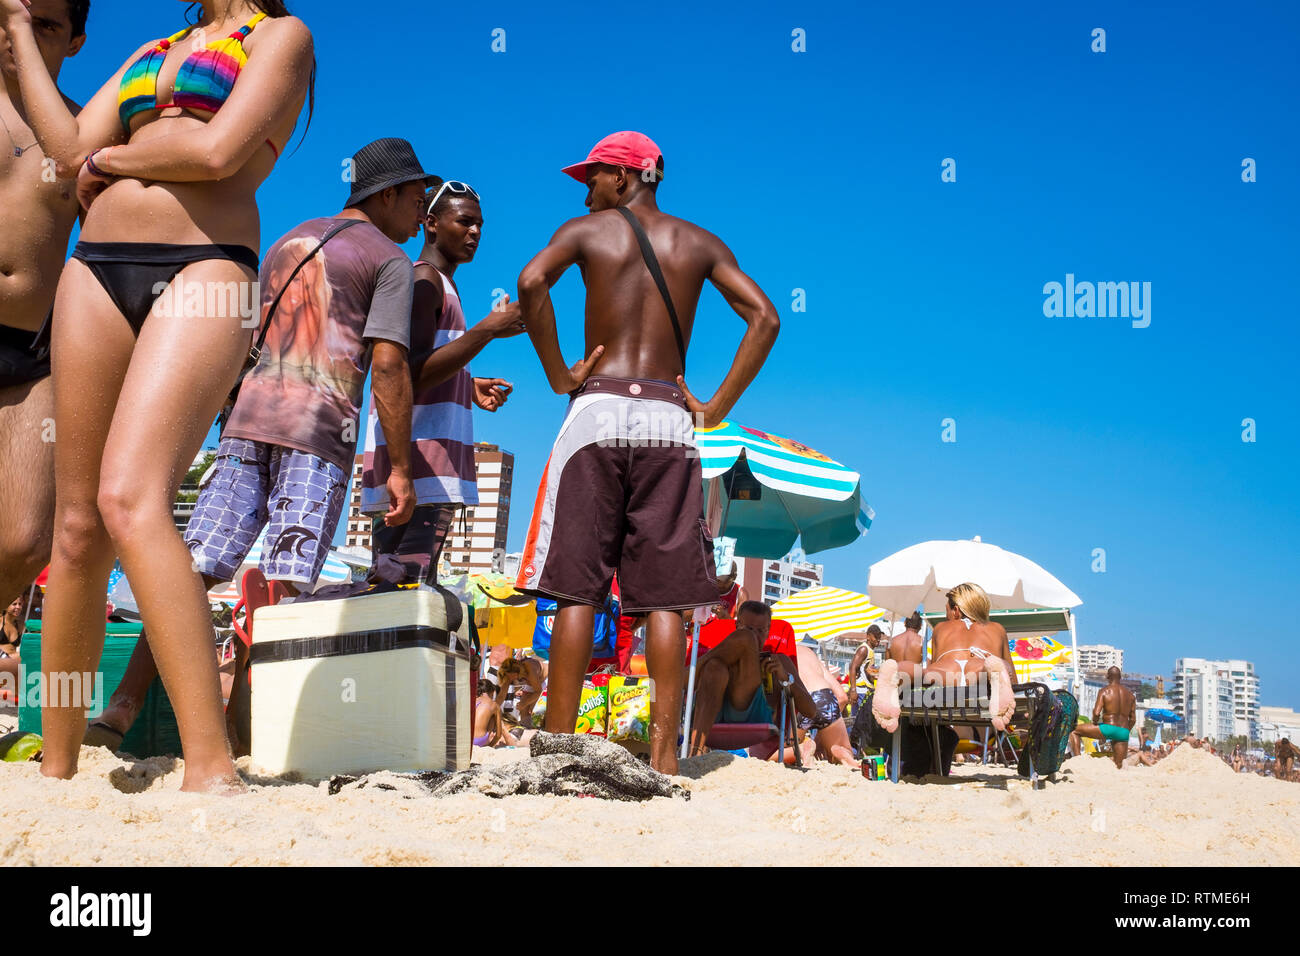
622, 492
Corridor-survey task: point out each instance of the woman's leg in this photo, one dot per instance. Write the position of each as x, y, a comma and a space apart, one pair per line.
92, 347
179, 376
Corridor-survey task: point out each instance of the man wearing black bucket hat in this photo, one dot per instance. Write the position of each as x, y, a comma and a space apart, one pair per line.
336, 302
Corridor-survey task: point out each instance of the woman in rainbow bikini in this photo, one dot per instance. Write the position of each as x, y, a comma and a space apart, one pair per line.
168, 157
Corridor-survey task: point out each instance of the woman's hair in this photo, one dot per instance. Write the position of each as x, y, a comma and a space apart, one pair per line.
971, 601
273, 9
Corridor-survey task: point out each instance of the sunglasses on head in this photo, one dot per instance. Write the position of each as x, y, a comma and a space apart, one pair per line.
456, 188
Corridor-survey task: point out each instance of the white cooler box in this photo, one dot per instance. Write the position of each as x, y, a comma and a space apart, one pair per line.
361, 684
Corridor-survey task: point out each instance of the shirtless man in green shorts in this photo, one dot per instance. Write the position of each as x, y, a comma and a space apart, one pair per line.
1113, 717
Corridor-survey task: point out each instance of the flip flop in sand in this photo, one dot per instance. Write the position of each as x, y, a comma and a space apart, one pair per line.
100, 734
884, 702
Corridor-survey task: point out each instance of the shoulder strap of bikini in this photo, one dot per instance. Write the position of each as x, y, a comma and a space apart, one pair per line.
652, 263
255, 353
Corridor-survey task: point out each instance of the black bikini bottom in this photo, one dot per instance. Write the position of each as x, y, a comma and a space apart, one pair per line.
130, 272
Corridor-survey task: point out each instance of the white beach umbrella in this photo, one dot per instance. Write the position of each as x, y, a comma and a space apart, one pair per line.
924, 573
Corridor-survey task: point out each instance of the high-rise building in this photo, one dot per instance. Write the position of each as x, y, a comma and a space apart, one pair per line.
770, 581
357, 534
477, 539
1218, 699
1100, 657
478, 542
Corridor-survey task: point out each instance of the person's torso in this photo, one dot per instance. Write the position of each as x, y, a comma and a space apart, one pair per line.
306, 390
39, 211
625, 311
907, 647
442, 430
954, 635
206, 211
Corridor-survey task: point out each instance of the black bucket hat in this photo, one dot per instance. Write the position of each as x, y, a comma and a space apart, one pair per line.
384, 163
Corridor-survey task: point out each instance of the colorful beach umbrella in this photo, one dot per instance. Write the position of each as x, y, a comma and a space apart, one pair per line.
1038, 657
767, 492
824, 612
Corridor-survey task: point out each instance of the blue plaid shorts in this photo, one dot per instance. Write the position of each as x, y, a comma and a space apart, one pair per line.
296, 496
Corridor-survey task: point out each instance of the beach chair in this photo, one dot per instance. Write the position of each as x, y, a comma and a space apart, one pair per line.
748, 736
960, 706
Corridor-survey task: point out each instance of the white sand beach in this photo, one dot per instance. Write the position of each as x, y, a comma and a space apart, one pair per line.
1189, 810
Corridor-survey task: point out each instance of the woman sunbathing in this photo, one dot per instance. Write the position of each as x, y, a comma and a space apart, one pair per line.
966, 645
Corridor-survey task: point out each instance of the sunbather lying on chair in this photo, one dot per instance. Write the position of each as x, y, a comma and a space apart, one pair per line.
730, 679
966, 645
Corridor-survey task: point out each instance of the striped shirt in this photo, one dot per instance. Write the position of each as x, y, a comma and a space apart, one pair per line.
442, 427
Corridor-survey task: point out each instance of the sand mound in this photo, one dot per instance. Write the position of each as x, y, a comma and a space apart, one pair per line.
1187, 759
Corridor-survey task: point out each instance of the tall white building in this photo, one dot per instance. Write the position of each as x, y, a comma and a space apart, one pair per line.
1218, 699
770, 581
1100, 657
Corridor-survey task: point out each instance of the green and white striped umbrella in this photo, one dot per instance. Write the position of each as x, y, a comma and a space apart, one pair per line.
767, 492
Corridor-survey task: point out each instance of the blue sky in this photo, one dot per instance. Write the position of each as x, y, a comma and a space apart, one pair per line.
821, 169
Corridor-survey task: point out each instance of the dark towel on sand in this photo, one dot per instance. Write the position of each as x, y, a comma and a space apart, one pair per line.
567, 765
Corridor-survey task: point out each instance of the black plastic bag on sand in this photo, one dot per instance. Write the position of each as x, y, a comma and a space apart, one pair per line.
565, 765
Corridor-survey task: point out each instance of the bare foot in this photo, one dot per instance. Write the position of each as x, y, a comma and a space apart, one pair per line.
884, 703
221, 785
1002, 700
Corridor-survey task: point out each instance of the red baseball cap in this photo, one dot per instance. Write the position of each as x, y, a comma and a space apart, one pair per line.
628, 148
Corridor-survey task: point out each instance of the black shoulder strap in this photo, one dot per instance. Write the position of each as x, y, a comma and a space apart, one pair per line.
652, 263
255, 353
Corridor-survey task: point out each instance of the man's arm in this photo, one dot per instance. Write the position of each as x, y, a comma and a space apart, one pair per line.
389, 327
859, 658
447, 360
747, 299
391, 384
535, 283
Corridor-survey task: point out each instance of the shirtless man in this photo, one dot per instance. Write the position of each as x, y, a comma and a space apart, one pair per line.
832, 735
39, 213
1113, 716
966, 645
622, 491
737, 682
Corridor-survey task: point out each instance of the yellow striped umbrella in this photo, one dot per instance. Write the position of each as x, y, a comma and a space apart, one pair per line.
824, 612
1036, 657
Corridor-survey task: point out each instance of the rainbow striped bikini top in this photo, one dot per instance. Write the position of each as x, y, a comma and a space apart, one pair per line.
204, 82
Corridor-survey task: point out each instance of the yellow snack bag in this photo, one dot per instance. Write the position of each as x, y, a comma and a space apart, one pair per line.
629, 708
593, 709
